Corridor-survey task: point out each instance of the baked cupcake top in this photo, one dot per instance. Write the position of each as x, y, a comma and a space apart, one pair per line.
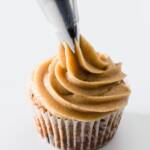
84, 85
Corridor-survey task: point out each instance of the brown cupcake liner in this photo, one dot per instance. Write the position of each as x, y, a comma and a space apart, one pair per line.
67, 134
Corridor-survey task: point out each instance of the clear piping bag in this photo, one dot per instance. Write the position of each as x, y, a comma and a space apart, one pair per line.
63, 16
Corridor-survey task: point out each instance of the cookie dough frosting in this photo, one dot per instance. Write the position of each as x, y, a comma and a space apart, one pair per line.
84, 85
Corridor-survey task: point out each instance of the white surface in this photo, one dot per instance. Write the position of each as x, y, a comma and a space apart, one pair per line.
120, 28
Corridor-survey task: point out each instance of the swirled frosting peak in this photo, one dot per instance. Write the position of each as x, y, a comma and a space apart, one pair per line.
84, 85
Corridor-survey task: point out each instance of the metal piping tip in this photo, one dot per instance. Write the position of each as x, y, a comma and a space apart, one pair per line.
63, 15
74, 34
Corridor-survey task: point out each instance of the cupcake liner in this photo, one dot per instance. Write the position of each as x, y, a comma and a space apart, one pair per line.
67, 134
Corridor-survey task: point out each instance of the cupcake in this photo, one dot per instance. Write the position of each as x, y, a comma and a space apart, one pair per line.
78, 97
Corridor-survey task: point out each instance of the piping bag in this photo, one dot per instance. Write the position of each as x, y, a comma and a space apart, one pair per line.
63, 16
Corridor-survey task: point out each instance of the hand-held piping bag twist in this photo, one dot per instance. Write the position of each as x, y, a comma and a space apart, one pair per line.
63, 15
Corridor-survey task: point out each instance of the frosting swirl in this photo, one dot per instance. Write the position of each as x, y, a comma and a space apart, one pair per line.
84, 85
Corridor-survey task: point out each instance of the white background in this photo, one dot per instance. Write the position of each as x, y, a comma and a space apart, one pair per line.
120, 28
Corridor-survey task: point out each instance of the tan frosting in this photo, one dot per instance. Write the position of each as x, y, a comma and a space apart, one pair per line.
84, 85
